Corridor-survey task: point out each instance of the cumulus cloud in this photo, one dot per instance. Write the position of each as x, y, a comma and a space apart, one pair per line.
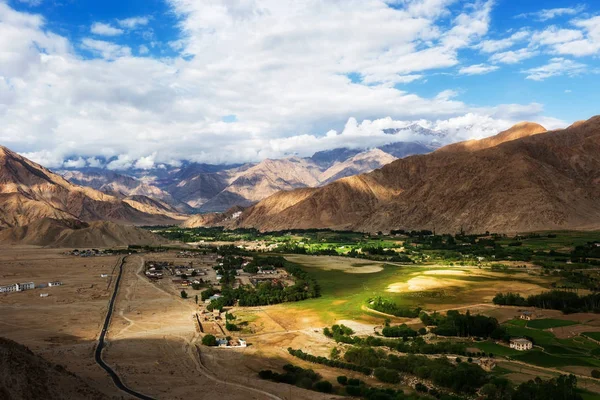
107, 50
288, 84
555, 67
133, 22
477, 69
513, 57
492, 46
103, 29
551, 13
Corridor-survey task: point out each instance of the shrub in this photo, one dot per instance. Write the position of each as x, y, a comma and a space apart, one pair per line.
209, 340
596, 374
324, 386
342, 380
387, 375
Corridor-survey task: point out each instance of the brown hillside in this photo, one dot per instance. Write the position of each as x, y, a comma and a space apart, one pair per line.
26, 376
519, 180
29, 192
72, 233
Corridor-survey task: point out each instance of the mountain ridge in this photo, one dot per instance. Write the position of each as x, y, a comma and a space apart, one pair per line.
536, 181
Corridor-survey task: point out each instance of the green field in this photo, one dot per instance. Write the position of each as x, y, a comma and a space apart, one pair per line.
592, 335
541, 359
496, 349
517, 322
344, 294
548, 323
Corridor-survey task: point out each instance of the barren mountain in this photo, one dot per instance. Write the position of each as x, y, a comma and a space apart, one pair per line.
122, 186
26, 376
365, 161
72, 233
213, 219
29, 192
518, 180
195, 187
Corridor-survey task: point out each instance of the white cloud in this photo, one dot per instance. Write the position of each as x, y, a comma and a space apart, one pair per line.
586, 46
143, 49
133, 22
555, 35
103, 29
32, 3
493, 46
107, 50
287, 83
75, 163
477, 69
551, 13
513, 57
94, 162
145, 162
556, 67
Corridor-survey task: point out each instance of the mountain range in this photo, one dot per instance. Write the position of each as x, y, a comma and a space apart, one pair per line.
200, 188
523, 179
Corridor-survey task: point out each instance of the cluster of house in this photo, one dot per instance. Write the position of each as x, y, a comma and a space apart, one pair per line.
89, 253
17, 287
231, 343
20, 287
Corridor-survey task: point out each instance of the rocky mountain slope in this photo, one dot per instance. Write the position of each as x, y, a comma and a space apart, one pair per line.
522, 179
26, 376
29, 192
50, 232
205, 188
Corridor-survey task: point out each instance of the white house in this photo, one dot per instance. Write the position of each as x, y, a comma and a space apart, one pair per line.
17, 287
57, 283
8, 288
521, 344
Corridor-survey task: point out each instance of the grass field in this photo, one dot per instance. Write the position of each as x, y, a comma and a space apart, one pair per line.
548, 323
496, 349
517, 322
592, 335
345, 289
539, 358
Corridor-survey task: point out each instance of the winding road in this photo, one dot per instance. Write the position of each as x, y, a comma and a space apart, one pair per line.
101, 342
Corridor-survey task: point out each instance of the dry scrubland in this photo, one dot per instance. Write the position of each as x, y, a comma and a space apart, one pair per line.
152, 338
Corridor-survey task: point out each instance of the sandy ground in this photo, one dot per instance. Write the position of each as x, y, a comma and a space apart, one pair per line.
153, 342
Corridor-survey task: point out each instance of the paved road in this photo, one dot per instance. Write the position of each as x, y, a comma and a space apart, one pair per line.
101, 342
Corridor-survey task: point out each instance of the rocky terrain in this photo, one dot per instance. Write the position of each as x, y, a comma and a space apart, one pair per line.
194, 187
30, 192
26, 376
523, 179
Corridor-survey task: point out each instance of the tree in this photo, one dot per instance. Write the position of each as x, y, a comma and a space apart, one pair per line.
324, 386
184, 294
335, 353
196, 299
596, 374
209, 340
342, 380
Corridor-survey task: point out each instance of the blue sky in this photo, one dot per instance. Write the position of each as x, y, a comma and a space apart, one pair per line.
148, 82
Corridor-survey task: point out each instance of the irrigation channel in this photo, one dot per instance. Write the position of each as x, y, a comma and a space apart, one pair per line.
101, 342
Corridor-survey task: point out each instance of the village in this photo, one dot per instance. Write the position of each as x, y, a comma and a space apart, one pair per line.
202, 277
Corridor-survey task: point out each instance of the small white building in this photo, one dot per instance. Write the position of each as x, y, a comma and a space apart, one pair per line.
527, 315
17, 287
56, 283
521, 344
43, 294
103, 275
8, 288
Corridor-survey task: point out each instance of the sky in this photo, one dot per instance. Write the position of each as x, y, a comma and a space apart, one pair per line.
143, 83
